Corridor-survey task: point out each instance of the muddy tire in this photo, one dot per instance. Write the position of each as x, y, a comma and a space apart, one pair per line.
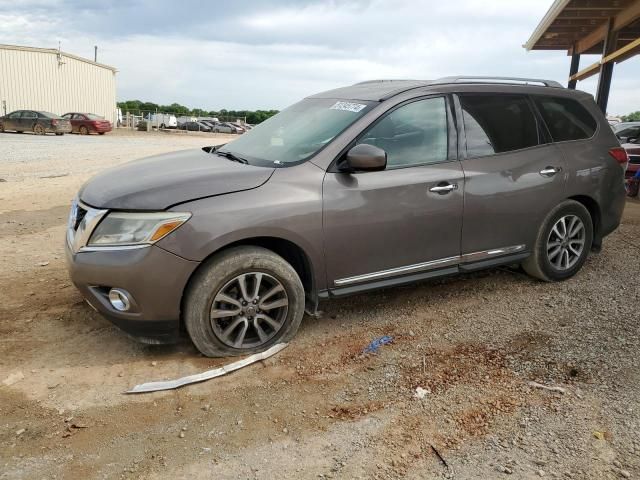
38, 129
242, 301
83, 130
563, 243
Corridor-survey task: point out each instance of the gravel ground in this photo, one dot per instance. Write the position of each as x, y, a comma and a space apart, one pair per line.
321, 408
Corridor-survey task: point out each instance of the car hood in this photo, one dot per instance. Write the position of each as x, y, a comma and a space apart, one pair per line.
158, 182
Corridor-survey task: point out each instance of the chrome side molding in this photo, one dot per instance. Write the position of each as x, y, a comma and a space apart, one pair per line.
431, 265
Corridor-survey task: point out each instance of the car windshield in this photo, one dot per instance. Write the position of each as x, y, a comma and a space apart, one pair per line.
298, 132
93, 116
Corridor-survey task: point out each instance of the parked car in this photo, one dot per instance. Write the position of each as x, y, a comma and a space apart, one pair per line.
162, 120
194, 127
34, 121
218, 127
633, 152
239, 128
364, 187
628, 132
86, 123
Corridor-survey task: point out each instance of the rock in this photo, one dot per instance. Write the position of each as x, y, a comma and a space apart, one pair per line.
503, 469
154, 363
181, 435
184, 429
20, 432
541, 473
285, 430
121, 374
421, 393
43, 264
625, 474
206, 407
13, 378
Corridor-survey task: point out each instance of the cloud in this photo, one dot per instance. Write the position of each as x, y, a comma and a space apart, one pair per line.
268, 54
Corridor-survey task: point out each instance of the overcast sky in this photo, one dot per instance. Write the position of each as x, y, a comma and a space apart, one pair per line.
268, 54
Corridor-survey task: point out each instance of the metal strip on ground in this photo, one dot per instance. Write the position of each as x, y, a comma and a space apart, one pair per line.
208, 375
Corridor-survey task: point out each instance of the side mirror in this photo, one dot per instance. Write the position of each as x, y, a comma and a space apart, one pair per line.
366, 158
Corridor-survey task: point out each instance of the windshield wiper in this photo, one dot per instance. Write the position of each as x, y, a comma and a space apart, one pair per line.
232, 157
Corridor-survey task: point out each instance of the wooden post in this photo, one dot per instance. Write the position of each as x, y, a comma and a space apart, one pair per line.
606, 69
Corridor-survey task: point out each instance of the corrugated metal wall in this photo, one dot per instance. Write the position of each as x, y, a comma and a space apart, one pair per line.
35, 80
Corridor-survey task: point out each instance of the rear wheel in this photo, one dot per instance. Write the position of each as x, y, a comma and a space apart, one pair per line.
563, 243
100, 133
83, 130
243, 301
60, 134
38, 129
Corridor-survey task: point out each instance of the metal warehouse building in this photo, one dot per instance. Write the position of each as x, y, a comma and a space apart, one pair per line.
54, 81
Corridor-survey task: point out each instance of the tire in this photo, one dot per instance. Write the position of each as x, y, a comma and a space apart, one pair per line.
220, 276
83, 130
548, 261
38, 129
60, 134
1, 128
162, 125
101, 133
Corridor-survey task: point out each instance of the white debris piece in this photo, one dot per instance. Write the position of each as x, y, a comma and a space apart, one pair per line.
421, 393
545, 387
208, 375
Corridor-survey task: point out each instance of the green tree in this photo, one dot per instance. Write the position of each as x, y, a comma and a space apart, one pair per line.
632, 117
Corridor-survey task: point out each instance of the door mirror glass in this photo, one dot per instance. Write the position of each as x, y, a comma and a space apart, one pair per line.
366, 158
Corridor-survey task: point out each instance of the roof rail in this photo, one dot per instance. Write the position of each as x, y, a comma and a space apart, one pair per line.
514, 80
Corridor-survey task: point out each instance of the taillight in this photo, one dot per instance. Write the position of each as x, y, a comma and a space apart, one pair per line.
619, 154
54, 122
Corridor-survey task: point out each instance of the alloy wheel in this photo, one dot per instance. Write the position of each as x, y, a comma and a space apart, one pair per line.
249, 310
566, 242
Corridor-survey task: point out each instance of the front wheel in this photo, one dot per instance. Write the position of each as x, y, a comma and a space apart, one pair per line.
242, 301
38, 129
563, 243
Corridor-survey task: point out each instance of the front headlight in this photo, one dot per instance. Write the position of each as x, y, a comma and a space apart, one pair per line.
135, 228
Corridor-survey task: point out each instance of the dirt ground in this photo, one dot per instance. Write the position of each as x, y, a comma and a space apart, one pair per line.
320, 408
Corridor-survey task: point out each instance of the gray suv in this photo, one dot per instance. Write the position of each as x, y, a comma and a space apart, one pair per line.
374, 185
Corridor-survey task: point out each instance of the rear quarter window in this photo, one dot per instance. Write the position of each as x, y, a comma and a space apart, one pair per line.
566, 118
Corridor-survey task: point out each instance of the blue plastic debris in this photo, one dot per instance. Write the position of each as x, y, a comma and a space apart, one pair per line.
377, 343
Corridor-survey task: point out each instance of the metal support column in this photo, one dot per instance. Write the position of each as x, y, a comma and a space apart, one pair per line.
575, 65
606, 69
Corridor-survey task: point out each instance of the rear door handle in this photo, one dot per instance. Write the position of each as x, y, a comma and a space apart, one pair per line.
549, 171
443, 188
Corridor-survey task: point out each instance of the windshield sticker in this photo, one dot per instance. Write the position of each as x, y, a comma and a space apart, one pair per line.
348, 106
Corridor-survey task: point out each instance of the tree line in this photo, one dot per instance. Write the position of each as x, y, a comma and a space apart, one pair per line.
137, 107
632, 117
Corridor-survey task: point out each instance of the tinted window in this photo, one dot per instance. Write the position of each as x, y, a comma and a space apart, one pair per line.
67, 116
15, 115
498, 123
29, 115
630, 132
413, 134
566, 118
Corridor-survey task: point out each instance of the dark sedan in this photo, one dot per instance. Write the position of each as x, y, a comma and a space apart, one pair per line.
35, 121
194, 127
86, 123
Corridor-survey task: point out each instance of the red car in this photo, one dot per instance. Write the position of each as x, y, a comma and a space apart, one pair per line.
633, 152
85, 123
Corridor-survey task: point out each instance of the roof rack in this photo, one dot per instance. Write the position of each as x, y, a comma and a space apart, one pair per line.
514, 80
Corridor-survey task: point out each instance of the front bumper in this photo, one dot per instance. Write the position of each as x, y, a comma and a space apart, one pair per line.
154, 278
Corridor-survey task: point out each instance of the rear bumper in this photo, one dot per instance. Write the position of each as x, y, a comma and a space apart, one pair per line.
102, 129
154, 278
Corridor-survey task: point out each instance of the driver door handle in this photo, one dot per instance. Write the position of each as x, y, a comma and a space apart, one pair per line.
444, 187
549, 171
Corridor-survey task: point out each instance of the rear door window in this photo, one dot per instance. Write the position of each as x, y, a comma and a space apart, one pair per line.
566, 119
498, 123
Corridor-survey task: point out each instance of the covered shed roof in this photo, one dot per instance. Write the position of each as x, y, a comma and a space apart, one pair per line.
607, 27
